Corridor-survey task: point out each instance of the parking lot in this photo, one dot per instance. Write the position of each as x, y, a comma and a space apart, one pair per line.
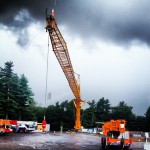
52, 141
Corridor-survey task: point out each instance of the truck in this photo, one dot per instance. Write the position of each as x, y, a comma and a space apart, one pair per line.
8, 126
26, 126
5, 127
115, 136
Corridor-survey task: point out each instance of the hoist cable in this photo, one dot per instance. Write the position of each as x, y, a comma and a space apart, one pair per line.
46, 76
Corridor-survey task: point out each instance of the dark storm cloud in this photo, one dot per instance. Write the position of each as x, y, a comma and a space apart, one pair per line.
36, 8
120, 21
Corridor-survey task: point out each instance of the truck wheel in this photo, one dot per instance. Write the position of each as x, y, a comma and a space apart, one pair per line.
2, 133
103, 142
127, 148
122, 144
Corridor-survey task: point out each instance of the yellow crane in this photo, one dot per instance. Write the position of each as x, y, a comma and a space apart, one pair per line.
60, 49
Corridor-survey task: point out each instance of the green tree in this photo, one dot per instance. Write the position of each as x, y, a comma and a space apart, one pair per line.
61, 115
147, 115
40, 114
103, 110
88, 120
54, 116
68, 115
15, 94
29, 111
7, 96
92, 105
2, 99
140, 124
25, 99
123, 111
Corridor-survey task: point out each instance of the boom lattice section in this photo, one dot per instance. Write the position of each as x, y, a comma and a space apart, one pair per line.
61, 52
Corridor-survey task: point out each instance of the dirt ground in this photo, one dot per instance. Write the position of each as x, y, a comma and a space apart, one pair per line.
53, 141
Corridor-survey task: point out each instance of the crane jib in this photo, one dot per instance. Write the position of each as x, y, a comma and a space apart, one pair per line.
61, 52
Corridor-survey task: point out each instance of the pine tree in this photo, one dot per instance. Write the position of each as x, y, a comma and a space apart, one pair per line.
7, 99
25, 99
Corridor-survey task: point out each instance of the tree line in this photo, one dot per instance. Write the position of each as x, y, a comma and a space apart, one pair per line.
17, 103
16, 97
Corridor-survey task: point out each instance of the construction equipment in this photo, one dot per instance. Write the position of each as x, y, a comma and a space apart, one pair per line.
115, 135
4, 126
60, 49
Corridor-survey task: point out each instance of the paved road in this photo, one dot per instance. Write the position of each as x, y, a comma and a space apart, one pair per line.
53, 141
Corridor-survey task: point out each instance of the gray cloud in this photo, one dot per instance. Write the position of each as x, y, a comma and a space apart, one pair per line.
17, 15
121, 21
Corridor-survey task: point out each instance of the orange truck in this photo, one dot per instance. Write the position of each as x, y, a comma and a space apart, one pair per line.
115, 135
4, 126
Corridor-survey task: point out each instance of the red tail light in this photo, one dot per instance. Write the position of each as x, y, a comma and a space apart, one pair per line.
130, 141
107, 139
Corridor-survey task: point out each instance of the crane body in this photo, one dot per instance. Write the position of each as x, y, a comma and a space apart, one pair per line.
61, 52
115, 135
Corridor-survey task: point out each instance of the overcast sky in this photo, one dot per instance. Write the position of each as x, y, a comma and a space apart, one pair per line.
108, 43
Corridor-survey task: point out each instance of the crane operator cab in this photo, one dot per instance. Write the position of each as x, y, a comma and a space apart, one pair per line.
50, 21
